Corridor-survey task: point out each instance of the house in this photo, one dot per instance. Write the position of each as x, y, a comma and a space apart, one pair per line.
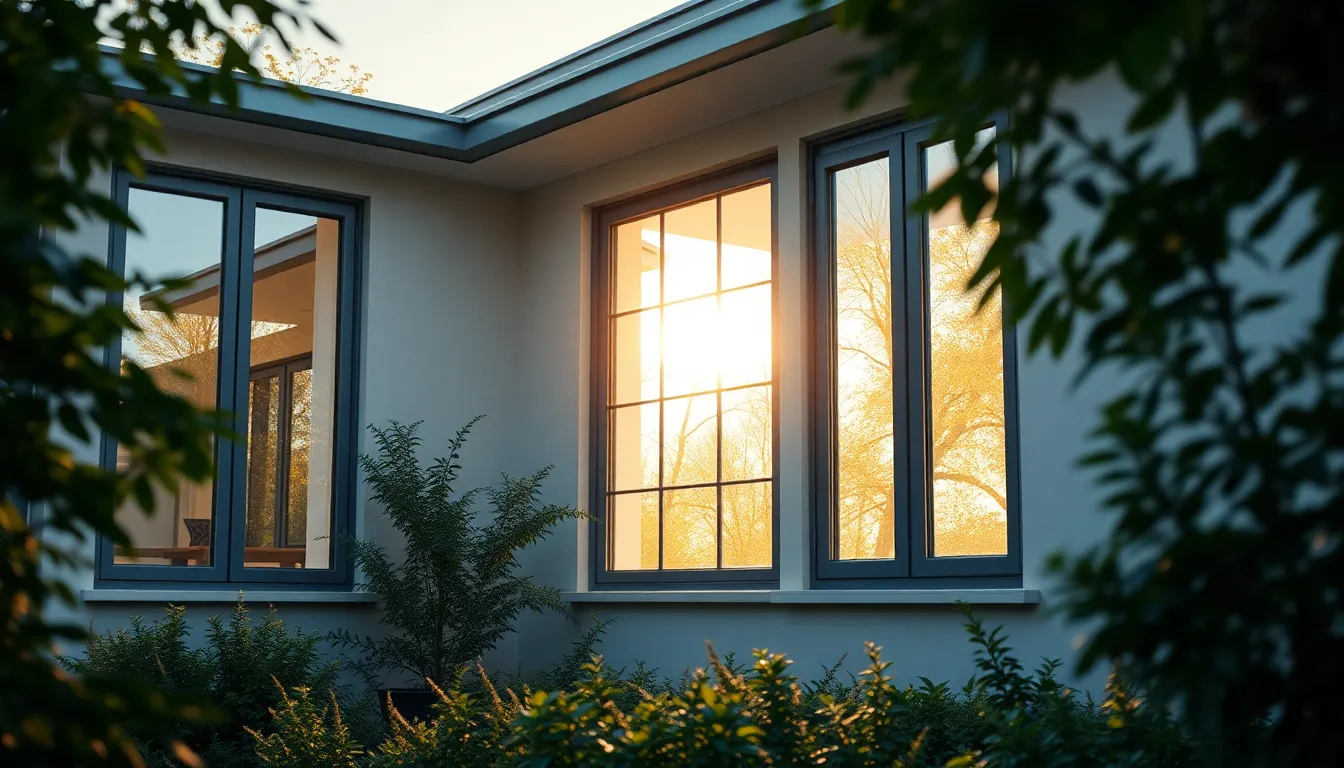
672, 265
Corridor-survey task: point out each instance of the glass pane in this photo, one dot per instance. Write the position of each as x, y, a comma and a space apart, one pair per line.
746, 237
637, 271
690, 528
180, 238
968, 439
744, 336
300, 453
634, 447
748, 447
747, 514
690, 238
263, 460
690, 440
295, 275
689, 362
635, 341
634, 534
865, 508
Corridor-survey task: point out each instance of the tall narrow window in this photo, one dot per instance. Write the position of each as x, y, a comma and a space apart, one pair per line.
687, 436
249, 311
180, 237
913, 423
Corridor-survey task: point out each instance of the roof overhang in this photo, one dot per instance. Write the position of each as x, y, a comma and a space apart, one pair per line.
688, 41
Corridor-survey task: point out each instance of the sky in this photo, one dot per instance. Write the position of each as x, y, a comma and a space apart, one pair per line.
436, 54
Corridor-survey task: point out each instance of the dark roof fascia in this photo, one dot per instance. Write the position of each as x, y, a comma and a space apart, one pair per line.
668, 49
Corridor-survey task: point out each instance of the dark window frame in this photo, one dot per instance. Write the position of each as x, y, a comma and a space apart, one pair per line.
240, 197
604, 219
913, 566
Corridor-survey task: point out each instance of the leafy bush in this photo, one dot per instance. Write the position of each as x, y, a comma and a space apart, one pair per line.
244, 669
457, 590
728, 715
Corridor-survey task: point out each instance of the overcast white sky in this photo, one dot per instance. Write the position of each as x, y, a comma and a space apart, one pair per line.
435, 54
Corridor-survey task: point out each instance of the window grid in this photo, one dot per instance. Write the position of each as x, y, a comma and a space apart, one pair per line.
614, 404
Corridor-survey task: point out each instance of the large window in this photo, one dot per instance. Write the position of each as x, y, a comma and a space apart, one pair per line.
249, 311
685, 417
914, 418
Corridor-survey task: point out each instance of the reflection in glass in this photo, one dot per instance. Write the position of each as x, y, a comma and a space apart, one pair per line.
746, 237
635, 339
181, 238
866, 504
690, 528
263, 460
748, 512
967, 437
704, 375
690, 440
636, 272
295, 265
690, 237
634, 454
634, 531
744, 336
690, 329
748, 441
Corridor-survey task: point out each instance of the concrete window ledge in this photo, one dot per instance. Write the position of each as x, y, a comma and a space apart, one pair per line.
188, 596
816, 596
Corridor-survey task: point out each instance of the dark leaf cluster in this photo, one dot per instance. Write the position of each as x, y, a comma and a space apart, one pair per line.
1207, 279
63, 124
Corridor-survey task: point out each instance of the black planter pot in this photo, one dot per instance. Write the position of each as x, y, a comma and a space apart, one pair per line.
412, 703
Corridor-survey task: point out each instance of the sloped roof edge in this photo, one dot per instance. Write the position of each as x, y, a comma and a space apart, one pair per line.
683, 43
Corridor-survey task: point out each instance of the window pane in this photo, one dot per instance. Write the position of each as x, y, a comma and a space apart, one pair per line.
300, 453
748, 444
295, 272
691, 525
967, 437
690, 238
634, 447
634, 531
690, 441
689, 337
181, 237
635, 341
746, 237
637, 270
744, 336
865, 508
747, 514
263, 460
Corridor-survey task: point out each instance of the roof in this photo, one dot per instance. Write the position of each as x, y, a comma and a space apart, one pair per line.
687, 41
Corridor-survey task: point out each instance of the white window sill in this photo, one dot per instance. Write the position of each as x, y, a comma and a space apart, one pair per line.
816, 596
186, 596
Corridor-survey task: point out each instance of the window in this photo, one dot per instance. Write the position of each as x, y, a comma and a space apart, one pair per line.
915, 419
684, 397
250, 310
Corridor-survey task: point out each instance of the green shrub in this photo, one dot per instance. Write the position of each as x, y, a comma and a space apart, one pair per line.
315, 735
763, 716
244, 669
454, 589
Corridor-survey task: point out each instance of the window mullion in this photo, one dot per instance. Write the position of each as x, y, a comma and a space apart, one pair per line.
237, 324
